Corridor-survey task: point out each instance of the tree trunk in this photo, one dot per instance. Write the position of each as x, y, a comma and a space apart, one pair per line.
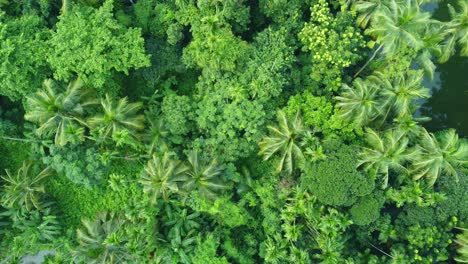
367, 63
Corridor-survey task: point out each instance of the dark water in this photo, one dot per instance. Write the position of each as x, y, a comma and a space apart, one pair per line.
448, 106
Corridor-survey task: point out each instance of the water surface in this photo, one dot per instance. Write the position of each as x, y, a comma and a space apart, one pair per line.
448, 106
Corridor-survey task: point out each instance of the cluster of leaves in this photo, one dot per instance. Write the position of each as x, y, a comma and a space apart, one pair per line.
76, 53
333, 43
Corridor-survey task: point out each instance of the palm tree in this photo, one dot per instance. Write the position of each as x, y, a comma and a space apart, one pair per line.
367, 10
385, 153
400, 26
156, 135
24, 188
462, 246
399, 95
98, 242
409, 125
443, 154
203, 176
117, 116
457, 30
396, 26
284, 139
358, 104
58, 113
161, 176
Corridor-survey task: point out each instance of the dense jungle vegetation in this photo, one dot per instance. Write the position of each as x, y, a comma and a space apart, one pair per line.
228, 131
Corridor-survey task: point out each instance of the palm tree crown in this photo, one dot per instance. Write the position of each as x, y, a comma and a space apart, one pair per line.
161, 176
398, 95
385, 153
23, 189
58, 113
284, 139
457, 30
203, 176
358, 104
98, 242
442, 154
368, 9
117, 116
400, 26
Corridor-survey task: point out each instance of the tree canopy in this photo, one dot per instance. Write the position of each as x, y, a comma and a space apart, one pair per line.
230, 131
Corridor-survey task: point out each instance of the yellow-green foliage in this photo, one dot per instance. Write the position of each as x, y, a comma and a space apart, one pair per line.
333, 42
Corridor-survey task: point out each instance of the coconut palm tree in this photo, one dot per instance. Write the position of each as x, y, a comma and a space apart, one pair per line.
117, 116
409, 125
58, 113
161, 176
385, 153
203, 176
444, 154
358, 104
456, 30
24, 188
98, 242
400, 26
400, 93
462, 248
396, 26
284, 140
367, 10
156, 135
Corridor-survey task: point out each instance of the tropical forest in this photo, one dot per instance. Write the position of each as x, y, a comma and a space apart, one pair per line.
233, 131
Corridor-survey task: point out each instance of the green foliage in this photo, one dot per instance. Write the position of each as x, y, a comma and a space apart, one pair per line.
224, 211
15, 152
358, 104
318, 114
367, 209
381, 96
386, 153
23, 42
24, 188
462, 241
214, 47
415, 192
99, 241
399, 26
116, 117
80, 164
205, 252
156, 135
161, 176
28, 231
284, 139
177, 114
59, 112
107, 48
154, 17
283, 11
443, 154
402, 27
455, 203
203, 176
333, 43
427, 244
267, 72
230, 124
399, 93
337, 175
456, 31
146, 82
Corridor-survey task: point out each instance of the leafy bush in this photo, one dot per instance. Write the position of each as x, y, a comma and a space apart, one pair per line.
80, 164
335, 180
